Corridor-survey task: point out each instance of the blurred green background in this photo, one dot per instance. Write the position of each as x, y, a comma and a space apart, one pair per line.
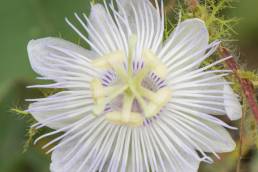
22, 20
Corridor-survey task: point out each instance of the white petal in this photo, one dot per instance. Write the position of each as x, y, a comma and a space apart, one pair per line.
78, 153
194, 163
144, 20
57, 165
209, 136
104, 31
214, 99
105, 147
68, 65
224, 144
187, 43
59, 60
205, 99
177, 154
232, 104
62, 109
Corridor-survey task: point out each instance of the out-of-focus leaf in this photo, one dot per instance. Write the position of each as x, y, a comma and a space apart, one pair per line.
254, 164
12, 135
24, 20
4, 87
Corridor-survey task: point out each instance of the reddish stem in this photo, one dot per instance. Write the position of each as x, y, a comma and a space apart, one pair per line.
246, 84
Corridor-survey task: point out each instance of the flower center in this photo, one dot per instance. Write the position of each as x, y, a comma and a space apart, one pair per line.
130, 87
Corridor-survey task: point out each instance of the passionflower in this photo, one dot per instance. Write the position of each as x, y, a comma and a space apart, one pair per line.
132, 102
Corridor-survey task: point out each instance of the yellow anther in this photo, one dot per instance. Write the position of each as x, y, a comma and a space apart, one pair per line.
97, 89
98, 94
157, 101
113, 61
109, 60
135, 119
114, 117
99, 107
152, 110
155, 64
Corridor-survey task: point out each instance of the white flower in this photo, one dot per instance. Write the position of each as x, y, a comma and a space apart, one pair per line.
132, 103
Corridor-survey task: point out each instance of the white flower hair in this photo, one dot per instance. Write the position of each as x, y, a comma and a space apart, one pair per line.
133, 102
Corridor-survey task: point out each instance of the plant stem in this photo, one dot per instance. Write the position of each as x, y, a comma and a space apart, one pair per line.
246, 85
241, 136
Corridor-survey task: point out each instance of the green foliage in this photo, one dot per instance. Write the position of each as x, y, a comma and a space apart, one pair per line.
31, 132
220, 26
50, 91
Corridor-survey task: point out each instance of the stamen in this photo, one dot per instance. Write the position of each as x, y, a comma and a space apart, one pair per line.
98, 95
158, 100
130, 87
157, 66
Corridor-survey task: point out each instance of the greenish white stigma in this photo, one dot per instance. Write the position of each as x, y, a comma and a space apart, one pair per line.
130, 87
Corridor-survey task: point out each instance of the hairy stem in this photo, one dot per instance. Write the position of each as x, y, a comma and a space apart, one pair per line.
241, 136
246, 85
